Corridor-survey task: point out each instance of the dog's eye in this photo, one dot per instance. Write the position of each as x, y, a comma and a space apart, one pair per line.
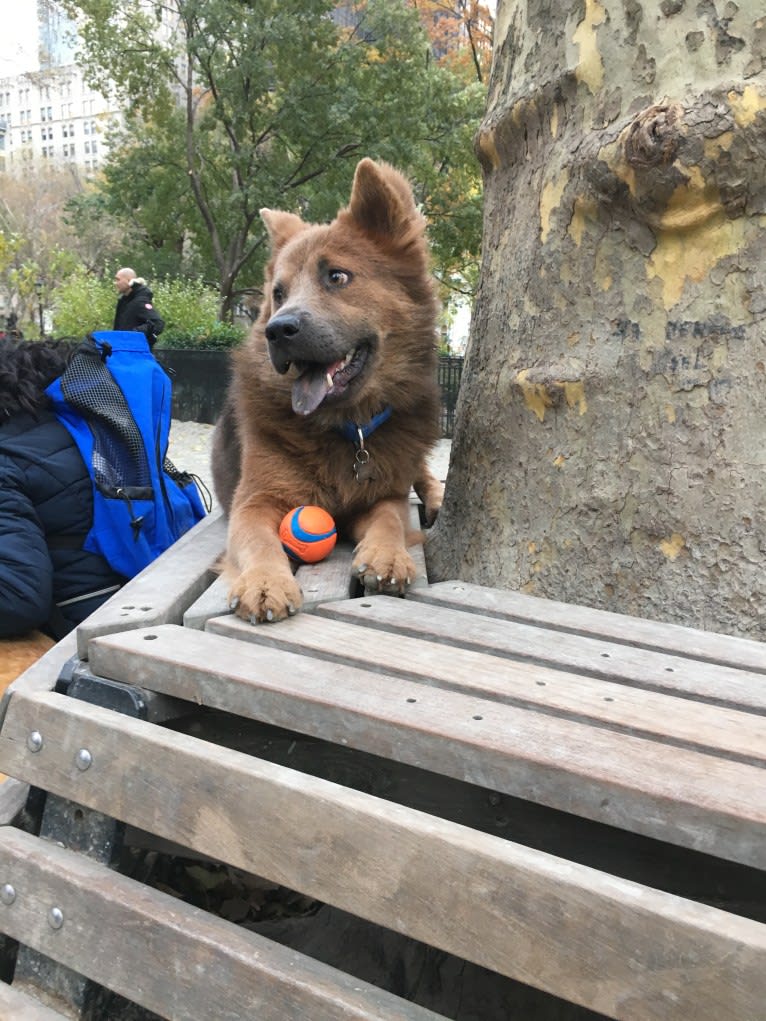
278, 294
339, 277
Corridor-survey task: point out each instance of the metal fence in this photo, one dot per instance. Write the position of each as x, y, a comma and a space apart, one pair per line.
450, 374
200, 379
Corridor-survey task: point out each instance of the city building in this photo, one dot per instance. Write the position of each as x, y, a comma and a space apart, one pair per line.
49, 116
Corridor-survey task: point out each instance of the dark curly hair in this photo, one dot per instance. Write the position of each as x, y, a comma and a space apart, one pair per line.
26, 369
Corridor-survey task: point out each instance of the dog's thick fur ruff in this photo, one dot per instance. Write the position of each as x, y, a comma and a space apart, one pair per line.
347, 328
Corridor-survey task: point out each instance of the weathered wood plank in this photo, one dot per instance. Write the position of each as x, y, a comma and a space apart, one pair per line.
18, 1006
163, 590
594, 939
323, 582
167, 956
584, 620
675, 794
13, 797
678, 721
642, 668
330, 579
213, 602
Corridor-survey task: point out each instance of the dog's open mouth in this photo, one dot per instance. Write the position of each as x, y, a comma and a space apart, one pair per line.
316, 382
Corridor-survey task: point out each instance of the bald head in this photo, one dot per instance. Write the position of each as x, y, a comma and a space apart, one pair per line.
123, 279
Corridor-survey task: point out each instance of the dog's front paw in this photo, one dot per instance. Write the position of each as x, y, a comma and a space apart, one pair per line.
256, 595
432, 508
383, 568
431, 493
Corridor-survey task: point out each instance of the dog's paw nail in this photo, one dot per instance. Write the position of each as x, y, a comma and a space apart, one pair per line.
291, 610
269, 615
361, 569
253, 619
234, 603
380, 577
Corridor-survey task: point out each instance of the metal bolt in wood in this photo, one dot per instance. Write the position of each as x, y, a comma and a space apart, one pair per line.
35, 741
55, 918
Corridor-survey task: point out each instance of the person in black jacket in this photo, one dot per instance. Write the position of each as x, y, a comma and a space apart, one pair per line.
135, 310
47, 580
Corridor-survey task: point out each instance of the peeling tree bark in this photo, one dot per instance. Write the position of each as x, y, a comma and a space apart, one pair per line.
610, 446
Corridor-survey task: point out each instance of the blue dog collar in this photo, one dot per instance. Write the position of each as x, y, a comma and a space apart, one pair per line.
352, 432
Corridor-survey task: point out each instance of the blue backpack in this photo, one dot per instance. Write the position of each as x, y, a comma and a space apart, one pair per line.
114, 399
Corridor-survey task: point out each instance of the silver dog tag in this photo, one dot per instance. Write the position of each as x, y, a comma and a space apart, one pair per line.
363, 471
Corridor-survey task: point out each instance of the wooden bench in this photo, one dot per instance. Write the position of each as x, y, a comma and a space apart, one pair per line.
552, 811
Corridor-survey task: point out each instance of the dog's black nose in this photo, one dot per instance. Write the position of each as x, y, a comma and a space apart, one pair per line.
282, 327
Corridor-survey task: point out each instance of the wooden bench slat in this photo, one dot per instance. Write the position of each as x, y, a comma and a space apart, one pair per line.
213, 602
163, 590
178, 960
609, 944
323, 582
585, 620
729, 732
18, 1006
330, 579
13, 797
320, 583
682, 796
642, 668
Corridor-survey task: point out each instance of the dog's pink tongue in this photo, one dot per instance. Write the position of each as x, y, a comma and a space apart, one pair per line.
310, 389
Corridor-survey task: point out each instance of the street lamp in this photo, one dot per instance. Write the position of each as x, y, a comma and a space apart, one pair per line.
39, 292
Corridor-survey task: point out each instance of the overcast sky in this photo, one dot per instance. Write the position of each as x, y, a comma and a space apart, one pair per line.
18, 37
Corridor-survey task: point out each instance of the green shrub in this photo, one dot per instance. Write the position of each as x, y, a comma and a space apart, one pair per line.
84, 303
217, 337
81, 304
187, 306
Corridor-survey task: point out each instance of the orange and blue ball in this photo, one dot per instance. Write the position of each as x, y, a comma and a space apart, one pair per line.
308, 534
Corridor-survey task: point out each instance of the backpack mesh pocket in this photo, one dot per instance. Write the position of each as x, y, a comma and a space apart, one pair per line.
119, 457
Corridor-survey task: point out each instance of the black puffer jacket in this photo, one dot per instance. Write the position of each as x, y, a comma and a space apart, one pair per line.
135, 311
46, 509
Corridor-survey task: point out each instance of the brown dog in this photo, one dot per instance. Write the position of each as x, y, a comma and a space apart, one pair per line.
334, 399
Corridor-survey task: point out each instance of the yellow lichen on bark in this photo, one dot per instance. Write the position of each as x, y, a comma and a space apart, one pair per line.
584, 209
536, 396
693, 234
590, 67
555, 121
574, 393
692, 203
488, 149
746, 105
713, 147
614, 157
549, 200
673, 546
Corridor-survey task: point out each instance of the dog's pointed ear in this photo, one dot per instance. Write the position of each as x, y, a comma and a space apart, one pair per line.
281, 226
381, 203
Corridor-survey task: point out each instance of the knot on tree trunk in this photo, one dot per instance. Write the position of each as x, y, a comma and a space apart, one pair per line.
652, 138
552, 386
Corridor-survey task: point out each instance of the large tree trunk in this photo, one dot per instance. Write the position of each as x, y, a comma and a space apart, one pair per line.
610, 446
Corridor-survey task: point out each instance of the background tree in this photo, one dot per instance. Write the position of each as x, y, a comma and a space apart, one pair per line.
461, 31
38, 242
610, 445
276, 113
